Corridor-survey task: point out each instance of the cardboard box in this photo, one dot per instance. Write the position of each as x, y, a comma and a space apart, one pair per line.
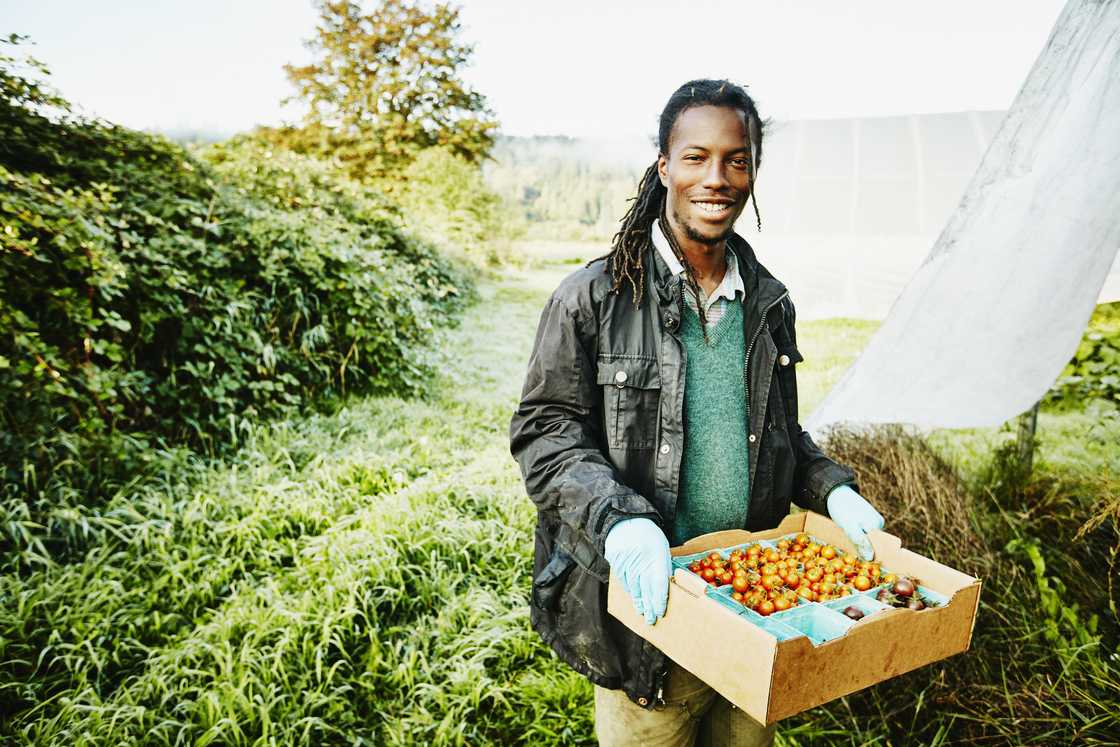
772, 679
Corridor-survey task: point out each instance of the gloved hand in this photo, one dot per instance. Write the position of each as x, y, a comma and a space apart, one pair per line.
638, 554
855, 516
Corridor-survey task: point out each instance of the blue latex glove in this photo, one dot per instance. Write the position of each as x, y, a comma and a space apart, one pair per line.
855, 516
638, 554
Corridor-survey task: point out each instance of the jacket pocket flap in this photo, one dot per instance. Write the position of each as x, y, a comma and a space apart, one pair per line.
546, 586
642, 373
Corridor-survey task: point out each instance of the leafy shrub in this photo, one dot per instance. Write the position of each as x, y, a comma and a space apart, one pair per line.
151, 297
1094, 370
447, 200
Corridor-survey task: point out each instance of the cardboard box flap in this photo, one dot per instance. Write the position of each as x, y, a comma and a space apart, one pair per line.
703, 650
690, 582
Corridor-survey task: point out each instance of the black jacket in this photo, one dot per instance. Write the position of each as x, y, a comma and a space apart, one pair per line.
599, 436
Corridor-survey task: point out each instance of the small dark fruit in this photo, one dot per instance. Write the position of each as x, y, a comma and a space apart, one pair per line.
903, 587
915, 603
854, 612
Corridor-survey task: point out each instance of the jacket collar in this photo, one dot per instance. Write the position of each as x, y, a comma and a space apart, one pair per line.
762, 288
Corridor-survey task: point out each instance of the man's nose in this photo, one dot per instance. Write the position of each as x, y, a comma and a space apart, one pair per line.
715, 176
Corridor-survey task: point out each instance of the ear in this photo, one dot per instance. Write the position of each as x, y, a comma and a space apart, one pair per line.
662, 170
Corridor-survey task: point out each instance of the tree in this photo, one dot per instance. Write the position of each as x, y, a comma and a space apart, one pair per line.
386, 86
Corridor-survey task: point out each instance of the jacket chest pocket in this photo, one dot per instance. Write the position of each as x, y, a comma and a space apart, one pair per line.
631, 400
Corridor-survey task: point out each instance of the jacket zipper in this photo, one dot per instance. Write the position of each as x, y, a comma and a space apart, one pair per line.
747, 391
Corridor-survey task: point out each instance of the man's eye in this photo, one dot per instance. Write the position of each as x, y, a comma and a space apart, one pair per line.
741, 163
693, 157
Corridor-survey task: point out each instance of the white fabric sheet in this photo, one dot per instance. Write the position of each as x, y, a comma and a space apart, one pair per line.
998, 306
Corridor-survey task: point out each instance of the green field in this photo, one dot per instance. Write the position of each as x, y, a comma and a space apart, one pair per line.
361, 578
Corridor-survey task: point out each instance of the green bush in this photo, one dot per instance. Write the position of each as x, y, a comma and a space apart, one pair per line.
1094, 370
448, 202
151, 298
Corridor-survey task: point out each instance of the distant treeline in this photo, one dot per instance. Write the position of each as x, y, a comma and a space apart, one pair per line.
562, 188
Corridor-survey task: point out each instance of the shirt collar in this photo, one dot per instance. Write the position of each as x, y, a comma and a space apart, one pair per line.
732, 281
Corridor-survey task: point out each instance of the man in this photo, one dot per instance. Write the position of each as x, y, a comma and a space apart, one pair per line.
660, 403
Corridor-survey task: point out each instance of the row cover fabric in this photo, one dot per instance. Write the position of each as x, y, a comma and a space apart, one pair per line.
998, 306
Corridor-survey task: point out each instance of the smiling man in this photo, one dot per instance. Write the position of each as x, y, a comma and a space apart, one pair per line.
660, 403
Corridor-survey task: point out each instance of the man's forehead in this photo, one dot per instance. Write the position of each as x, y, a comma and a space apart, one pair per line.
708, 127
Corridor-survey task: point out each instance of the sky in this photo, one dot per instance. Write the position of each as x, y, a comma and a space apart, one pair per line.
585, 68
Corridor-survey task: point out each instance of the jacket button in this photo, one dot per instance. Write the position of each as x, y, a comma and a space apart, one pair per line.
643, 702
620, 377
751, 438
671, 322
783, 359
664, 448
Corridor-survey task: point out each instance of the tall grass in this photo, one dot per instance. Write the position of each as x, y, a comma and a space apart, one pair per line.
361, 578
348, 577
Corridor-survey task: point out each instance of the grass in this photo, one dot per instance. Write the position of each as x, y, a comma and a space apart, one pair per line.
361, 577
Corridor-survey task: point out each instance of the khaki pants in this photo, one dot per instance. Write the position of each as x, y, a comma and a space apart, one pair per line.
693, 714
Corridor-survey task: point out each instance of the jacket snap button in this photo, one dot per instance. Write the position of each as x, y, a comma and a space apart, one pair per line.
751, 438
664, 448
620, 377
671, 322
783, 359
643, 702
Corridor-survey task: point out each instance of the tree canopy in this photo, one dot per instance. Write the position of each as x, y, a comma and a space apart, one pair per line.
386, 85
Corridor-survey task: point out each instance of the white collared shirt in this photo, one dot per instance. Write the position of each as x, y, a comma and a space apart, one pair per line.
725, 292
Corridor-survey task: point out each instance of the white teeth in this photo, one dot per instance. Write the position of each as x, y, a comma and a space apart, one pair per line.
711, 207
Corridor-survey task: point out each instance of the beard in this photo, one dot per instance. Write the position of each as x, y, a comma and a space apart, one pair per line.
699, 238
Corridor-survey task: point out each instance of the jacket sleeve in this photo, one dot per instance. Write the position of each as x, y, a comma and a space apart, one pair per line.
815, 475
556, 433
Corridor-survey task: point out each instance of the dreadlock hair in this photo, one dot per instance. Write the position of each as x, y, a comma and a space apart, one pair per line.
626, 260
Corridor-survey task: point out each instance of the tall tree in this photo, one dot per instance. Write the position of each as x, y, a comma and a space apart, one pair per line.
386, 85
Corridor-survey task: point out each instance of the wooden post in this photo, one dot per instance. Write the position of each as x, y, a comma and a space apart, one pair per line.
1028, 423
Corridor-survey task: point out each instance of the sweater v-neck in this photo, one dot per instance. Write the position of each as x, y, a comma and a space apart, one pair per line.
718, 331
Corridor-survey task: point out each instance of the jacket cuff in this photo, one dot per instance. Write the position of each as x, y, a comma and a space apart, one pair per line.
616, 508
821, 480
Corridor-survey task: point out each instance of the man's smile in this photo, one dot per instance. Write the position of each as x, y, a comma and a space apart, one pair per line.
717, 208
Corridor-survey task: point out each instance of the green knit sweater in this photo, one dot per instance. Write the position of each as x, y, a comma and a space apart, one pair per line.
715, 479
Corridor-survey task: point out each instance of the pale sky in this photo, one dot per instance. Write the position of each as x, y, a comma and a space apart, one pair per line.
591, 68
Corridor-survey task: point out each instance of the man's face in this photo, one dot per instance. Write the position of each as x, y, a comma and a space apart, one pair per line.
707, 172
